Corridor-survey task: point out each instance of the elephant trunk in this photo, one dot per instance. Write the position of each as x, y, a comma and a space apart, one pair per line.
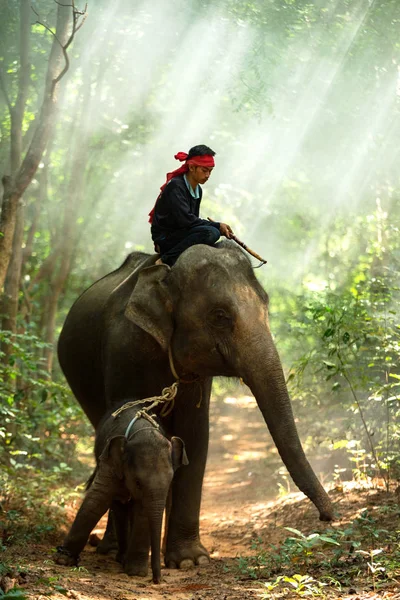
263, 373
155, 521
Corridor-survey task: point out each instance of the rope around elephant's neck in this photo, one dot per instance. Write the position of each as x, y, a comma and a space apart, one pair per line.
167, 395
174, 372
180, 380
167, 398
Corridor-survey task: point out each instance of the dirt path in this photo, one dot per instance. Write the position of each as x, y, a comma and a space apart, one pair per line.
240, 505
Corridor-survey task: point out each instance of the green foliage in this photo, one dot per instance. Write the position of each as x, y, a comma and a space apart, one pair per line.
7, 569
300, 549
357, 352
345, 334
37, 413
362, 547
41, 425
14, 593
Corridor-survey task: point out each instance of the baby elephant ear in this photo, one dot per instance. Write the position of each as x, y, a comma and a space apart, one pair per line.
179, 456
150, 304
112, 455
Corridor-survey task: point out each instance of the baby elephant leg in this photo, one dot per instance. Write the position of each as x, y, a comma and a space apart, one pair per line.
97, 501
137, 554
109, 541
122, 513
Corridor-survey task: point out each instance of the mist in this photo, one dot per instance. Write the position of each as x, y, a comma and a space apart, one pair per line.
302, 115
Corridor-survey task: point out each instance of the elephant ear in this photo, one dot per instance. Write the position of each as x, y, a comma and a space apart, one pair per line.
150, 304
179, 456
113, 453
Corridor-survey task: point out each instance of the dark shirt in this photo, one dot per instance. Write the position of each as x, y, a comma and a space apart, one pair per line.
176, 209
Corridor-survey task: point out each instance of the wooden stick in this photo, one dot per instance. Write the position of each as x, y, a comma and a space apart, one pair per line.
243, 245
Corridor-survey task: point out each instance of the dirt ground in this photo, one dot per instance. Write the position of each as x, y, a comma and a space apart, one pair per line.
241, 503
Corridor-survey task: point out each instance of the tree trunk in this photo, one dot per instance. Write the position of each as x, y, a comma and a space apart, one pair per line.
21, 178
13, 212
40, 201
12, 283
34, 210
11, 290
75, 196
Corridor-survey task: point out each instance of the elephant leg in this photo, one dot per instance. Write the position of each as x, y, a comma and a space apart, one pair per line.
96, 503
137, 554
190, 422
109, 541
122, 517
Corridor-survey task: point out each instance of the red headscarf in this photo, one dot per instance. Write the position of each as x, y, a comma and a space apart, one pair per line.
205, 160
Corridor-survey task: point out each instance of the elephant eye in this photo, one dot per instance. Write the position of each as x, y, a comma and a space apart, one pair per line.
220, 318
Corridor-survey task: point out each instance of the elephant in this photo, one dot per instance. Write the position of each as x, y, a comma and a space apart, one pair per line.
144, 326
135, 467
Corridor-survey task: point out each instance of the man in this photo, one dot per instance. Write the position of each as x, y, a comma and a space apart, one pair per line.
175, 221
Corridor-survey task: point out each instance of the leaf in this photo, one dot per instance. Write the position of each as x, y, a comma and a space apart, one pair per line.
296, 532
61, 589
329, 365
329, 332
328, 540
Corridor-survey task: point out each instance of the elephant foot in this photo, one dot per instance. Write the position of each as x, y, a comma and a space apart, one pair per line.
186, 556
137, 566
136, 570
107, 544
65, 558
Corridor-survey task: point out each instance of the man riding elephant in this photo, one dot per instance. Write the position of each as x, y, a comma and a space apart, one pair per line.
175, 221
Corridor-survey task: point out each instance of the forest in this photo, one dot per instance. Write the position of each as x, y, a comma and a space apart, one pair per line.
300, 100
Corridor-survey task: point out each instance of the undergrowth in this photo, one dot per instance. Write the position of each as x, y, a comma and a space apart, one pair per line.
338, 557
44, 442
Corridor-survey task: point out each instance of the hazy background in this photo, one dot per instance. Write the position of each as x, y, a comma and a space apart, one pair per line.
299, 100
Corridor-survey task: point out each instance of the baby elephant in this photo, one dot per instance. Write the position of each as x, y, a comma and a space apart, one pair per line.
135, 467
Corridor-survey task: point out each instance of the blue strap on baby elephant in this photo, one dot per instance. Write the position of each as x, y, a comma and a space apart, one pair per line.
135, 418
141, 414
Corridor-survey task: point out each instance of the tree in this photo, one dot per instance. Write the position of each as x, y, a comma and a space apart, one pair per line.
23, 170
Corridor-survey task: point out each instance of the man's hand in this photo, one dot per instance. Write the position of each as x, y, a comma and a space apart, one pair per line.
225, 230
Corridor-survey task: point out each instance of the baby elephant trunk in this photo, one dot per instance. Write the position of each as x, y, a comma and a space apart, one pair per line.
155, 522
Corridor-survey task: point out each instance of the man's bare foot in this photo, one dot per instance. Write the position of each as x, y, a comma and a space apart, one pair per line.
159, 261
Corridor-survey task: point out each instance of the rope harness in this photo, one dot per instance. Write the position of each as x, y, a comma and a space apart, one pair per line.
167, 398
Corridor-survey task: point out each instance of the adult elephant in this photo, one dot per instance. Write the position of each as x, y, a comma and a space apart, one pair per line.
209, 316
